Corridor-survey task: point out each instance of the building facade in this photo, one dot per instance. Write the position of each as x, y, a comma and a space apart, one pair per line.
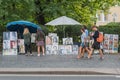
113, 15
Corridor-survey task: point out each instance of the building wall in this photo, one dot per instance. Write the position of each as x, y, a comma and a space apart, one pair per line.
112, 16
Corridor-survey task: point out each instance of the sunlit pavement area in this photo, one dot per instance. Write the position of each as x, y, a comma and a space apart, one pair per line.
111, 63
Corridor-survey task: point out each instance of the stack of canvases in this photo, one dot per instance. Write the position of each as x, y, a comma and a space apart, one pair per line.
9, 43
68, 47
53, 47
52, 41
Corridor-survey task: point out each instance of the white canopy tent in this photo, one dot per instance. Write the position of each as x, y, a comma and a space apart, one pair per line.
63, 21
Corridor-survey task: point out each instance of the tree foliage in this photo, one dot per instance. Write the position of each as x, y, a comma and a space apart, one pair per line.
11, 10
43, 11
82, 10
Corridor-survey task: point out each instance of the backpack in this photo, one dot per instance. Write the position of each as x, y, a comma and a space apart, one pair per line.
100, 38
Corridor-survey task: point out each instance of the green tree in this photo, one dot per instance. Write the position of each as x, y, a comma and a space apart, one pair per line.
11, 10
82, 10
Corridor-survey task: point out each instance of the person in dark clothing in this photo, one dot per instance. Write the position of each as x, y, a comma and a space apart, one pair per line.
40, 37
96, 45
27, 41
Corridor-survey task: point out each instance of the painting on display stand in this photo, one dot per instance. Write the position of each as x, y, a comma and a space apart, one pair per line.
55, 49
33, 35
13, 44
106, 43
61, 49
13, 35
48, 49
6, 44
55, 40
9, 43
68, 49
21, 46
10, 52
48, 40
74, 49
67, 41
6, 35
115, 44
111, 43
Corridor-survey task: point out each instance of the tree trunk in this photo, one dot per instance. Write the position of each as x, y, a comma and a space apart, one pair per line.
39, 16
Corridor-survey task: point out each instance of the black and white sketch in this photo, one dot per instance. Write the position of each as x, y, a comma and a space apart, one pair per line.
54, 49
48, 49
6, 44
67, 41
6, 35
75, 49
61, 49
55, 40
13, 35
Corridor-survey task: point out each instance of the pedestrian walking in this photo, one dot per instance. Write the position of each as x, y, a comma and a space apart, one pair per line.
86, 48
82, 45
96, 44
40, 37
91, 41
27, 41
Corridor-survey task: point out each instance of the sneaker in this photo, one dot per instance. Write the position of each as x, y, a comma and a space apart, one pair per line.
31, 54
38, 55
43, 54
101, 58
78, 57
26, 54
89, 57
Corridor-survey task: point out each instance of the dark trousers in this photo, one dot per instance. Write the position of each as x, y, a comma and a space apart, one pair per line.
28, 48
96, 45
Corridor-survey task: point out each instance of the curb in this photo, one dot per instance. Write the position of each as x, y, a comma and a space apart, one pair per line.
59, 71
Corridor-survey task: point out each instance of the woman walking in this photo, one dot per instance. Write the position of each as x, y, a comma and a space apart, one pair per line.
40, 36
86, 48
27, 41
96, 44
82, 45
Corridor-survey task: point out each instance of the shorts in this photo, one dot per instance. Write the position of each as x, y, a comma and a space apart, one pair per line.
40, 43
96, 45
82, 44
86, 44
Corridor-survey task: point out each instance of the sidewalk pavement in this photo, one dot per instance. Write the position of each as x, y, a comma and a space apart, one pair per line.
59, 64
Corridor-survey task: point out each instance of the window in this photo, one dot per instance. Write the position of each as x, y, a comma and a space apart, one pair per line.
114, 17
106, 18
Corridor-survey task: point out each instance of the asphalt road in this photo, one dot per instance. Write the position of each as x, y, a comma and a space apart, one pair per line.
59, 77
